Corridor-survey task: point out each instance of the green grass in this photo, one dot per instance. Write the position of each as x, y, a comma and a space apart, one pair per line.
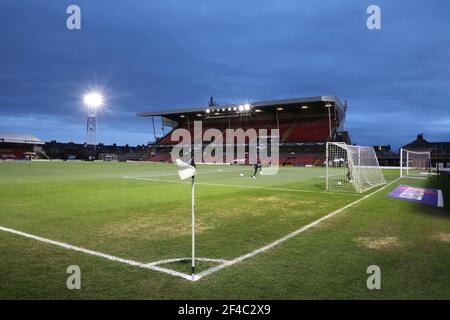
92, 206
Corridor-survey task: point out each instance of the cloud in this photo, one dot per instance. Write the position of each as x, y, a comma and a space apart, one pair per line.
160, 55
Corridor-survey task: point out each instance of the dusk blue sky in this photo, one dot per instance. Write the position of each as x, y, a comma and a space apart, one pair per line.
155, 55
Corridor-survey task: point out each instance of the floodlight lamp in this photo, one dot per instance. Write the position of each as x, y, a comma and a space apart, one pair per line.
93, 99
247, 107
241, 108
208, 111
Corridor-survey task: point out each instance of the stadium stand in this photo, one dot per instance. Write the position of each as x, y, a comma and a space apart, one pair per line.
12, 154
304, 124
301, 159
20, 146
308, 130
159, 157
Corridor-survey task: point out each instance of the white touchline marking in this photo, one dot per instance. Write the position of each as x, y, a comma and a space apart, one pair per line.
171, 272
172, 174
440, 203
239, 186
155, 266
331, 175
96, 253
223, 263
417, 178
184, 259
290, 235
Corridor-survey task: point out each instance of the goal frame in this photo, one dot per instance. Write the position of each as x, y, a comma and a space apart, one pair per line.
353, 168
405, 170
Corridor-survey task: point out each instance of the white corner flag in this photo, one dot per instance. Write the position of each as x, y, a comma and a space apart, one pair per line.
185, 170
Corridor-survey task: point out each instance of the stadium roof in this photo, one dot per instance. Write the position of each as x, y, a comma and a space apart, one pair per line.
259, 104
21, 138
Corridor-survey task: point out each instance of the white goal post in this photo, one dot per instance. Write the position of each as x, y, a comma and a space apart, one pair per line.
352, 168
415, 164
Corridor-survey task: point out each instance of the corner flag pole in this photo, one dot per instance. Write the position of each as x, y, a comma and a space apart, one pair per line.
185, 171
193, 224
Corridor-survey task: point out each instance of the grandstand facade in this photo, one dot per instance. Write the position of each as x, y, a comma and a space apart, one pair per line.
304, 124
20, 146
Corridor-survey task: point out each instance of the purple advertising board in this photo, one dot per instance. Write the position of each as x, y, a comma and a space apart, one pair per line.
432, 197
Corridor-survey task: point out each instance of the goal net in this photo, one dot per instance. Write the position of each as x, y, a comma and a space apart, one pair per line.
415, 164
352, 168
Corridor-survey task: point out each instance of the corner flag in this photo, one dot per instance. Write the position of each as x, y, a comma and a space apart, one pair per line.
185, 170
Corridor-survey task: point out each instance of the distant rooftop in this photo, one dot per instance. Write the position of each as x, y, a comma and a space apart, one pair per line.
421, 144
22, 138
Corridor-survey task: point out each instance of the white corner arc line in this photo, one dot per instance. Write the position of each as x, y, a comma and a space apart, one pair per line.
156, 263
290, 235
171, 272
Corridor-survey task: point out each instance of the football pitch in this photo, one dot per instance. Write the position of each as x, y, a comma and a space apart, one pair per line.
128, 227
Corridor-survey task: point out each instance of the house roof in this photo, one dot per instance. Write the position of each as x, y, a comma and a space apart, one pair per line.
422, 144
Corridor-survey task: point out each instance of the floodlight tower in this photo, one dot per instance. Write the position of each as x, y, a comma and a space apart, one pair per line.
93, 101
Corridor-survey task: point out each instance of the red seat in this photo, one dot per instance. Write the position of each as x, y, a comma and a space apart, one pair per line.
309, 130
159, 157
300, 159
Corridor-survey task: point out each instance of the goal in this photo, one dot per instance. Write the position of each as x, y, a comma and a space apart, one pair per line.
352, 168
415, 164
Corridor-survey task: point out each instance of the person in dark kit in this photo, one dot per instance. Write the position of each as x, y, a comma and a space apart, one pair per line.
257, 167
349, 174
